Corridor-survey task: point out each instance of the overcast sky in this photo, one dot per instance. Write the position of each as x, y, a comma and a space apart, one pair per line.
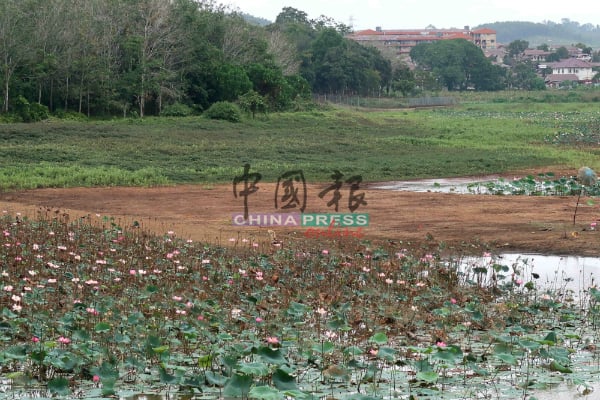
405, 14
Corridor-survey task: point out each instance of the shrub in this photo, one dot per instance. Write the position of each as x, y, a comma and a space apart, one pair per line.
31, 112
177, 110
9, 118
70, 115
224, 110
252, 102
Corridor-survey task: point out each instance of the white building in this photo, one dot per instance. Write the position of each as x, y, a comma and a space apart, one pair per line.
571, 69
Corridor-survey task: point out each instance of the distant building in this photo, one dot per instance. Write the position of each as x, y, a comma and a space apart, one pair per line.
398, 42
536, 55
570, 69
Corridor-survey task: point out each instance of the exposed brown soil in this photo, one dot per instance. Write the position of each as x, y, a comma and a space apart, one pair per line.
502, 223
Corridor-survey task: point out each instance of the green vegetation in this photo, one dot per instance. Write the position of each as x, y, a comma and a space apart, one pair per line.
180, 57
475, 138
61, 57
458, 65
225, 111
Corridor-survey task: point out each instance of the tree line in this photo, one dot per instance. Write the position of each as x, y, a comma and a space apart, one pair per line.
179, 57
152, 57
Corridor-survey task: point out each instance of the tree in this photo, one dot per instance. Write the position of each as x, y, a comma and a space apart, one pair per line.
543, 47
242, 42
252, 102
517, 47
324, 22
582, 46
290, 15
524, 77
403, 80
230, 81
339, 65
457, 64
14, 35
562, 52
268, 81
283, 51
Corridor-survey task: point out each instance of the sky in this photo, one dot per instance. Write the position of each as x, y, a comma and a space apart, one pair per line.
408, 14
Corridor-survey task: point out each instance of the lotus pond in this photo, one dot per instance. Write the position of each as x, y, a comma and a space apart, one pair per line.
93, 309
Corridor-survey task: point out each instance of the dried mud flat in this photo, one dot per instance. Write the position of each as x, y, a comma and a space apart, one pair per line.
467, 222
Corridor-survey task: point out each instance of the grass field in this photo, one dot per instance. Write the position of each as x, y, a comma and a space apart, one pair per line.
473, 138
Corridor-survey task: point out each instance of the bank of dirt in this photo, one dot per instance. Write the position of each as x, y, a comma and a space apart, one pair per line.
469, 223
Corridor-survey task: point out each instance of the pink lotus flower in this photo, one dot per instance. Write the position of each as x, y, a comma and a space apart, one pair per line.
330, 334
259, 319
272, 340
64, 340
96, 379
35, 339
453, 300
441, 344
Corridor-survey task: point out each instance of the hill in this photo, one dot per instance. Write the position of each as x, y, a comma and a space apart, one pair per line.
255, 20
552, 33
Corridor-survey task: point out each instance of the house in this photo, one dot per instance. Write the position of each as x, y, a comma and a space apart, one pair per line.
536, 55
484, 38
497, 54
570, 69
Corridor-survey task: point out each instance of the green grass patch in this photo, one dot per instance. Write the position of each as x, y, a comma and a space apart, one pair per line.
474, 138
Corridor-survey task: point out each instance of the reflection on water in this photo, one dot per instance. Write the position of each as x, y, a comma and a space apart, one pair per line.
557, 272
449, 185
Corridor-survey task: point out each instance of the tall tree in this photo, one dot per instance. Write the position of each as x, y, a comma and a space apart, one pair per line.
403, 80
517, 47
14, 50
153, 37
458, 64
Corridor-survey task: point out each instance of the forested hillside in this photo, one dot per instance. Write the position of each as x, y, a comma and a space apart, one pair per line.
564, 33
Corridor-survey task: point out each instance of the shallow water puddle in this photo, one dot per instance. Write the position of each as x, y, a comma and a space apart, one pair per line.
449, 185
542, 185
